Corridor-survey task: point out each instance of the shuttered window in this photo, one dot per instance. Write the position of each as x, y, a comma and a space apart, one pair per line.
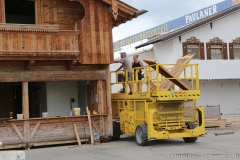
217, 51
234, 50
194, 48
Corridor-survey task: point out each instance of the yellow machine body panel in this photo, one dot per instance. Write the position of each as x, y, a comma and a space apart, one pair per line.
165, 105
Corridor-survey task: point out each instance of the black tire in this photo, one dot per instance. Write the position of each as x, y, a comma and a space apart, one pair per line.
116, 130
141, 135
190, 139
190, 125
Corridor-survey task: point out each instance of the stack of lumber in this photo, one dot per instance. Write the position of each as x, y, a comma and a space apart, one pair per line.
174, 73
215, 122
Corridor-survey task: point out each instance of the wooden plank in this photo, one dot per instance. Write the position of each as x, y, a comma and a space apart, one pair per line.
76, 132
167, 74
17, 131
223, 133
35, 130
90, 126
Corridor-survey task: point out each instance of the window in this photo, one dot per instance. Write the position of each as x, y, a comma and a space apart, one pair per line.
193, 46
20, 11
216, 49
234, 49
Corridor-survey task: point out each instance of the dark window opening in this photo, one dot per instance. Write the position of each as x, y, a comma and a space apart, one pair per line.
20, 11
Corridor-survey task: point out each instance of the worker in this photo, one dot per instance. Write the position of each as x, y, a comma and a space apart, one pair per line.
126, 65
139, 65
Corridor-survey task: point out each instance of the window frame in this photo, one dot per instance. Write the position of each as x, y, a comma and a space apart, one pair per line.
201, 53
231, 50
223, 47
36, 4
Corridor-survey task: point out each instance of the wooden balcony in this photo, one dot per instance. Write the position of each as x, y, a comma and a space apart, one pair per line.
37, 42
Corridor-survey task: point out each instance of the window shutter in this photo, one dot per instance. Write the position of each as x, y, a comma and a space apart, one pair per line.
208, 51
231, 53
224, 51
202, 55
184, 46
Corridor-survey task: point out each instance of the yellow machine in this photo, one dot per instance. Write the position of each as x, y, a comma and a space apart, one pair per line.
162, 104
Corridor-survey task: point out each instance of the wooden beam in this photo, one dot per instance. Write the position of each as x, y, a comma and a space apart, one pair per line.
39, 58
17, 131
223, 133
108, 1
50, 73
167, 74
25, 101
35, 130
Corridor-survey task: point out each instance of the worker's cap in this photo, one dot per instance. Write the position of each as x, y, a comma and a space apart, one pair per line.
123, 53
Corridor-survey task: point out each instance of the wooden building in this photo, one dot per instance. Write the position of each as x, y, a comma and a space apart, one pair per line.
46, 43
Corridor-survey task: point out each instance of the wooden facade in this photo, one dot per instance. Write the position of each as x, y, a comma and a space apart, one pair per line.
71, 40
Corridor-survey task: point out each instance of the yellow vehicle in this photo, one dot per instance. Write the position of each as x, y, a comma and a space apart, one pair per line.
164, 108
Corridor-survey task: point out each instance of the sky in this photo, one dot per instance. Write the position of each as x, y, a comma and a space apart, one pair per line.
159, 12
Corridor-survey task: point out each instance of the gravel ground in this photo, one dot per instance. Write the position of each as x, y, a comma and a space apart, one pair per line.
208, 146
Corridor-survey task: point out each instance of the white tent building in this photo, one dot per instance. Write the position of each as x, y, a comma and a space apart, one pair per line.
216, 42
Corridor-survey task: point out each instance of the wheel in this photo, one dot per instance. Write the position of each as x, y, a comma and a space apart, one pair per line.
190, 139
141, 135
116, 130
190, 125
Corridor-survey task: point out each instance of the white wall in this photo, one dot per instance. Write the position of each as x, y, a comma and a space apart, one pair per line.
58, 97
226, 28
221, 92
164, 52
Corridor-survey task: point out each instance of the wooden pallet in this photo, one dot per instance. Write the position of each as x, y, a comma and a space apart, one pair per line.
215, 122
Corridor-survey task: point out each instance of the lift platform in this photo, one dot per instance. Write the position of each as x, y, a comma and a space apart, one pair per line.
162, 105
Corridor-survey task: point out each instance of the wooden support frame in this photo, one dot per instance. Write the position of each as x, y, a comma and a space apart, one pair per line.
17, 131
35, 130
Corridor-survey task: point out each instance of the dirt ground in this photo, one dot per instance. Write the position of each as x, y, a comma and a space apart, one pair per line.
208, 146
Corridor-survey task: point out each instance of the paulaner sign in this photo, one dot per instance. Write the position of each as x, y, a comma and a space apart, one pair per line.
176, 23
201, 14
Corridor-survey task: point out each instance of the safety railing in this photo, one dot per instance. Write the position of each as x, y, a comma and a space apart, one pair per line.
156, 78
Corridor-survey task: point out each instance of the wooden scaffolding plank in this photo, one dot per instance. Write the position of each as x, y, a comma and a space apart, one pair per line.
167, 74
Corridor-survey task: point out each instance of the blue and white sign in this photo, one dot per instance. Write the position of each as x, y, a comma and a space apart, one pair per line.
176, 23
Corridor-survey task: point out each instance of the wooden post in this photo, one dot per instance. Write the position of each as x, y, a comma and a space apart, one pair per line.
25, 102
109, 126
25, 112
2, 12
